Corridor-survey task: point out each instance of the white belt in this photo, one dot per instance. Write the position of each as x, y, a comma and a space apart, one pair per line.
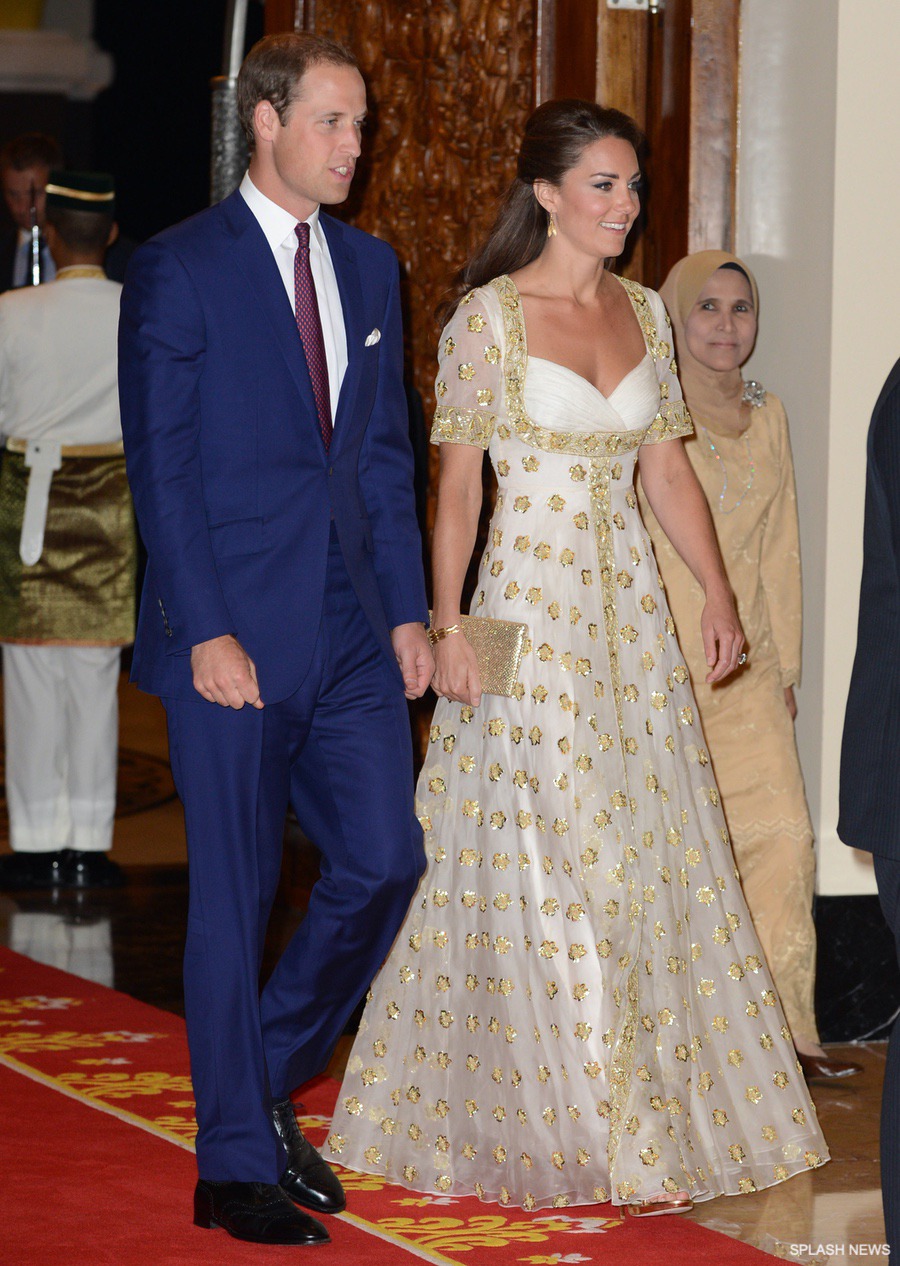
42, 457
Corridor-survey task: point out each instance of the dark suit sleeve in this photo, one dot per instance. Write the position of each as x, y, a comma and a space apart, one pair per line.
869, 785
386, 478
885, 458
162, 342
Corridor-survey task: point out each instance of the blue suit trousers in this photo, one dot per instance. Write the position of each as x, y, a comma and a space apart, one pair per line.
339, 750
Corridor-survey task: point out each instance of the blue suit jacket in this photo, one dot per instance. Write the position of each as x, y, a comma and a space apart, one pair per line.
232, 486
870, 750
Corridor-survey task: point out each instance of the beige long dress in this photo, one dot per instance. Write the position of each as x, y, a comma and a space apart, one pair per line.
576, 1008
747, 726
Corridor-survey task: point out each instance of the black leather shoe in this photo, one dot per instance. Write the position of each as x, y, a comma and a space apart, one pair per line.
20, 872
90, 870
254, 1211
308, 1179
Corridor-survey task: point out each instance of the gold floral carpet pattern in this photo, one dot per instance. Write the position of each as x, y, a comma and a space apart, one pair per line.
108, 1053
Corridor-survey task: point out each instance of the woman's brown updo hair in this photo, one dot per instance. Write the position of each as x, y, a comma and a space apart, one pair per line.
556, 135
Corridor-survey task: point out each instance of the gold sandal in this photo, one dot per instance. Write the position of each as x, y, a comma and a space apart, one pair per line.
679, 1203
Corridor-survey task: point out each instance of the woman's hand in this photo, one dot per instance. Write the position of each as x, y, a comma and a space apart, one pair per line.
678, 501
723, 637
456, 670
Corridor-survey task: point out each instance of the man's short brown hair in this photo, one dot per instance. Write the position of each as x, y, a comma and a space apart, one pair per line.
273, 68
32, 149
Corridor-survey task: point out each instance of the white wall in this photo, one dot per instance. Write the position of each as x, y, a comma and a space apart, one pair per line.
817, 219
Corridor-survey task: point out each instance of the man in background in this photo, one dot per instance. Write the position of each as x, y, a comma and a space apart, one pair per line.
25, 165
67, 550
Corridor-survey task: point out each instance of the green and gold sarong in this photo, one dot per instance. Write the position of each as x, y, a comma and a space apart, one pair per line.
80, 592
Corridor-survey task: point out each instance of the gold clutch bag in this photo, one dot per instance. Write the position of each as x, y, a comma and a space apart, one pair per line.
498, 647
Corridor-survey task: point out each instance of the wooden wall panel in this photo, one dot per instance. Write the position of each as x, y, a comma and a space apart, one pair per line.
676, 73
714, 113
451, 83
622, 37
622, 53
284, 15
573, 60
668, 126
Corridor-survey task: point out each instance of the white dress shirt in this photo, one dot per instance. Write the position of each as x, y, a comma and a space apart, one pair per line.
279, 227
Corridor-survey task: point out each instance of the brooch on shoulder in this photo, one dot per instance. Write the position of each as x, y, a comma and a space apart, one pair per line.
754, 394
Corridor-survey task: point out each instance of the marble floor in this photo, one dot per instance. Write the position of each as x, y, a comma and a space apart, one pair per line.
131, 939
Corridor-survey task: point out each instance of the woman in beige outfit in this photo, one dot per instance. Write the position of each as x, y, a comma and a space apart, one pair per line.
741, 453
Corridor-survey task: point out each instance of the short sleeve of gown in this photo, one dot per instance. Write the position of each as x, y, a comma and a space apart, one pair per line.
469, 386
673, 420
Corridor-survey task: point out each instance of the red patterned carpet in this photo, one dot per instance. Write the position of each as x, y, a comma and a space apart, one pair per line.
96, 1154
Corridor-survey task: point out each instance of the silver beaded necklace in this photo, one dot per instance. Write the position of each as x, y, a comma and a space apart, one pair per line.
755, 396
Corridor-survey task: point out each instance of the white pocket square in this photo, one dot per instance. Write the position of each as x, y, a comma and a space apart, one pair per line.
373, 338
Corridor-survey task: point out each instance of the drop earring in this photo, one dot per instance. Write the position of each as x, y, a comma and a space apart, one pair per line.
551, 225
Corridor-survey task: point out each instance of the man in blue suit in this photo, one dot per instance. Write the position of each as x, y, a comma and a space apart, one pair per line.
282, 619
870, 749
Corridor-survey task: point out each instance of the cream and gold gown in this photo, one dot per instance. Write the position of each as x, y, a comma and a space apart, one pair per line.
577, 1008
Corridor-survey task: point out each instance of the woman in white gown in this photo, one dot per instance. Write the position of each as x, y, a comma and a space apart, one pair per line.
577, 1008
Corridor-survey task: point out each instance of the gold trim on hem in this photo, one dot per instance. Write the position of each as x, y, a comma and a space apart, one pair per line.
114, 448
462, 426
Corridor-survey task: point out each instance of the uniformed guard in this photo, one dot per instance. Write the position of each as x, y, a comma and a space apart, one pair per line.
67, 550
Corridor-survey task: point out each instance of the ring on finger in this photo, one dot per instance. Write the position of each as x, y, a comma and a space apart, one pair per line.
742, 659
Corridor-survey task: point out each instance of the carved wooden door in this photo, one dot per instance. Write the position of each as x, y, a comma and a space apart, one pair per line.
674, 69
453, 82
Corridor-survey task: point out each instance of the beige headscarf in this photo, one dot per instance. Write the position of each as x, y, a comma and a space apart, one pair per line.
713, 397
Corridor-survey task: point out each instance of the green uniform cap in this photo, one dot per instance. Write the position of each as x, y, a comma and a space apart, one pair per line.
81, 191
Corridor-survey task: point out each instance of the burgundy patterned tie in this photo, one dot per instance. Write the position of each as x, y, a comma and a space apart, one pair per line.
309, 325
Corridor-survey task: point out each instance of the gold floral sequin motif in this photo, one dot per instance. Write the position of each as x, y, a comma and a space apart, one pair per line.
462, 426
